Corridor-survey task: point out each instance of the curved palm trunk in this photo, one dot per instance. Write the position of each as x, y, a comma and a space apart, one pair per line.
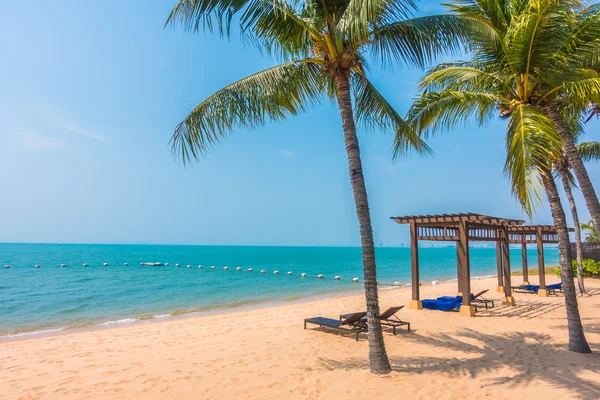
377, 355
591, 199
577, 341
573, 206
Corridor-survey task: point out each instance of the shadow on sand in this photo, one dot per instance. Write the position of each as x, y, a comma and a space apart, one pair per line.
530, 356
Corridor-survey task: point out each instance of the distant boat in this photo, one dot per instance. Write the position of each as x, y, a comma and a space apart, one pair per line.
152, 264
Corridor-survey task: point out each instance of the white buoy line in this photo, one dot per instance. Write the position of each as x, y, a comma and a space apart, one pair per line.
226, 268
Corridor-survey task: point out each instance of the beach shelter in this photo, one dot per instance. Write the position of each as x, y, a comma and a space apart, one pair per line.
529, 234
461, 228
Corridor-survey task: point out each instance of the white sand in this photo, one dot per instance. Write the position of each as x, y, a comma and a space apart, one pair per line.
506, 353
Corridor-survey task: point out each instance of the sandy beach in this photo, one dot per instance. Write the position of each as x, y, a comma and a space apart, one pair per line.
504, 353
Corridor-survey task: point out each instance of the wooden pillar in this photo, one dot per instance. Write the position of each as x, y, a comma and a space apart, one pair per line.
524, 260
415, 303
459, 268
466, 309
500, 287
541, 266
508, 299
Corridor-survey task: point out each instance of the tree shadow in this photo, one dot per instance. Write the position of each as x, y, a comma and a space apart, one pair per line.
530, 356
527, 309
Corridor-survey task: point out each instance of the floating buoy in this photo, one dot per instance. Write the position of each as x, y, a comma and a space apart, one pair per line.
63, 265
262, 271
125, 264
238, 269
303, 275
225, 268
177, 265
200, 266
276, 272
7, 266
354, 279
189, 266
320, 276
36, 266
105, 265
337, 277
213, 267
166, 264
290, 272
397, 284
249, 269
85, 264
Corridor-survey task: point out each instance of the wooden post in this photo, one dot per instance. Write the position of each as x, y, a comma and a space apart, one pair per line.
466, 309
459, 268
508, 299
541, 266
524, 260
500, 287
415, 303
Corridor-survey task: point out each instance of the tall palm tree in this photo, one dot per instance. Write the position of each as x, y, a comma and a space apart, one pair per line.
587, 151
326, 47
535, 67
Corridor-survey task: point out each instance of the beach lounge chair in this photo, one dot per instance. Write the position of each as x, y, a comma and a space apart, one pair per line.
477, 298
552, 289
387, 318
354, 323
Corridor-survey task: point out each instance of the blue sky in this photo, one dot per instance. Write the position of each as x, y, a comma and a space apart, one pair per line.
90, 93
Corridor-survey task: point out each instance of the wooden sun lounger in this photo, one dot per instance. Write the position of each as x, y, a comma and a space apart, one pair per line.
478, 299
354, 323
387, 318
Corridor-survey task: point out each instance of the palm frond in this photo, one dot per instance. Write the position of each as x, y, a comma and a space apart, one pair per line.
468, 78
360, 16
532, 145
418, 41
206, 14
269, 95
589, 151
444, 110
582, 92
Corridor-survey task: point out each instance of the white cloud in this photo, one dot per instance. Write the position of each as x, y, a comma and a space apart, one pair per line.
59, 121
30, 140
287, 153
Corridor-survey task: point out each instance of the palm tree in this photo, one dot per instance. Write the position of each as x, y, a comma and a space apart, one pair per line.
326, 47
534, 68
587, 151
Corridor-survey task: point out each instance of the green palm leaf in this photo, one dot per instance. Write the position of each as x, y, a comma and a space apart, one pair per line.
270, 95
589, 151
531, 145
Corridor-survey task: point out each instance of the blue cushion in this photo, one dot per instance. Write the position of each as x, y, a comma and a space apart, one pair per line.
448, 303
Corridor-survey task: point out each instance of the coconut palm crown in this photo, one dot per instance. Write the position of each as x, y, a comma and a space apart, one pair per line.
326, 48
538, 63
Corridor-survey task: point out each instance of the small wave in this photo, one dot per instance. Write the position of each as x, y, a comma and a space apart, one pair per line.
30, 333
119, 321
483, 276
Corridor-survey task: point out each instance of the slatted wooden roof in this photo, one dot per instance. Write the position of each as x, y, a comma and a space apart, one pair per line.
447, 220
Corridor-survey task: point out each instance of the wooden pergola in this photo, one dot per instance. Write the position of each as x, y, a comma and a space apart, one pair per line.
462, 229
530, 234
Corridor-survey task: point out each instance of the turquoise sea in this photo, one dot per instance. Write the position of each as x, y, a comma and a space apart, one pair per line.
53, 298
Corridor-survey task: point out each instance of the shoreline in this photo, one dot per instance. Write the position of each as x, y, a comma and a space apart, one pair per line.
247, 305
